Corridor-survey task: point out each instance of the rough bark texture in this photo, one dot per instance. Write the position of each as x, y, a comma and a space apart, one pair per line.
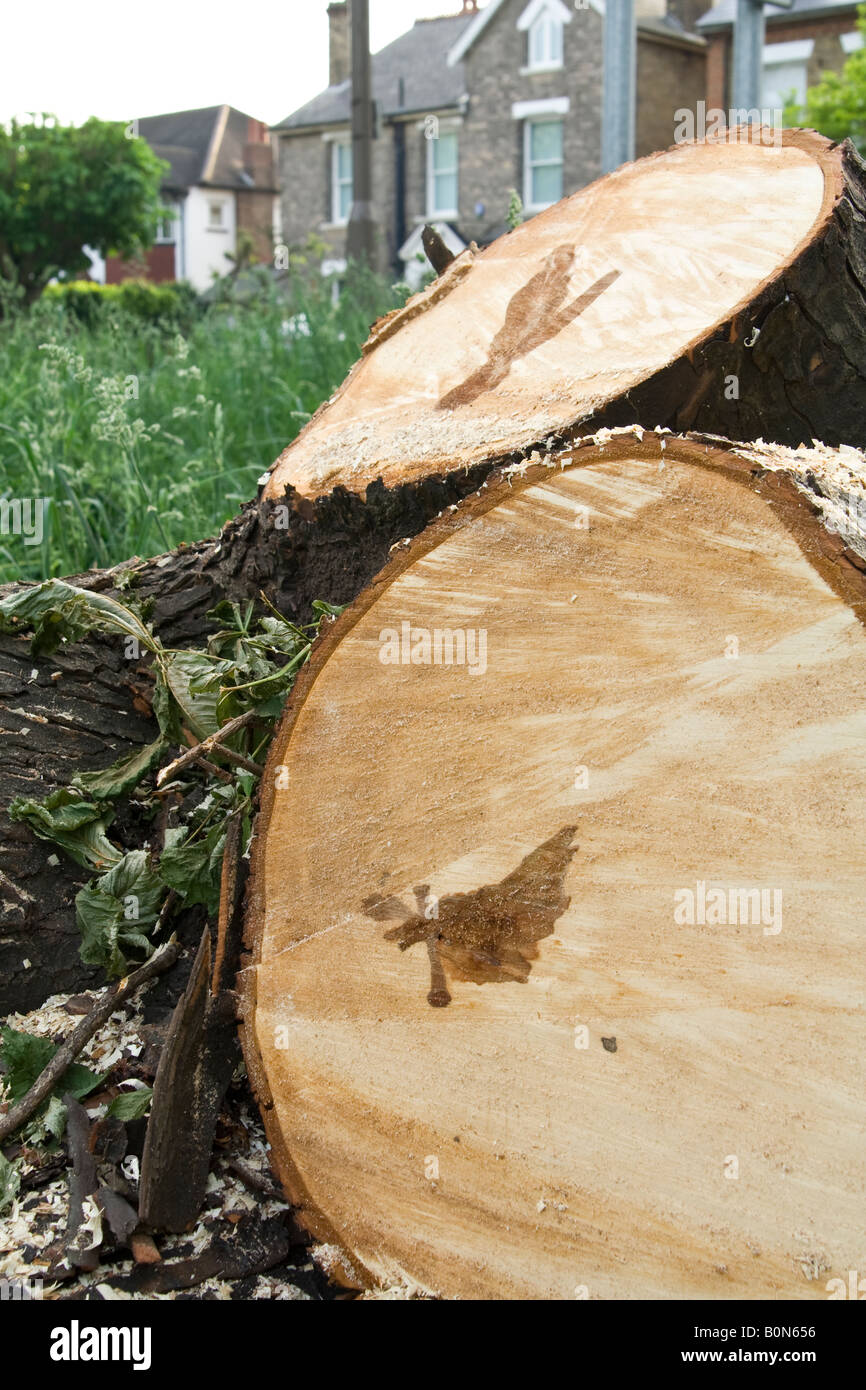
96, 708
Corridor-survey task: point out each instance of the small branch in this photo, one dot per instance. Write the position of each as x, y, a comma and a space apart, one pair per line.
214, 771
238, 759
111, 1000
202, 749
257, 1182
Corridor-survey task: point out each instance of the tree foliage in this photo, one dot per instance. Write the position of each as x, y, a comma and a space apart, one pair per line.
66, 187
837, 105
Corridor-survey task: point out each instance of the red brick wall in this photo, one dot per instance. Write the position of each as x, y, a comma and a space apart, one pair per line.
669, 77
157, 265
826, 57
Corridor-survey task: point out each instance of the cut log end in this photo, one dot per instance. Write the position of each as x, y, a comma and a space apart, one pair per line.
716, 286
588, 945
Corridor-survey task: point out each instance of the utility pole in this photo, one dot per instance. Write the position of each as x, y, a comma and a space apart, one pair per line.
618, 85
750, 26
749, 30
361, 233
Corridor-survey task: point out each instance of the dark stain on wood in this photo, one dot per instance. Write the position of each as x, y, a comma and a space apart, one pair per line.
535, 314
490, 936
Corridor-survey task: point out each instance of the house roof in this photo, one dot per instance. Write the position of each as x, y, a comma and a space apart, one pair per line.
419, 57
203, 147
722, 16
666, 27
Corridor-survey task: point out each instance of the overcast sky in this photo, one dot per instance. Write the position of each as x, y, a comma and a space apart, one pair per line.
117, 60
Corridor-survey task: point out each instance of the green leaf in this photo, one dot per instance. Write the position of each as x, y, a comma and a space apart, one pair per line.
116, 913
131, 1105
10, 1183
194, 870
193, 681
59, 612
124, 774
24, 1057
70, 820
47, 1125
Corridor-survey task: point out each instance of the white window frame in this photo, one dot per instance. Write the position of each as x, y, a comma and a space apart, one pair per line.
339, 142
222, 225
540, 118
445, 128
554, 15
797, 52
851, 43
172, 221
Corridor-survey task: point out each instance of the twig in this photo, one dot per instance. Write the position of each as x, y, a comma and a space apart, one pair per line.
67, 1052
238, 759
214, 771
257, 1182
201, 749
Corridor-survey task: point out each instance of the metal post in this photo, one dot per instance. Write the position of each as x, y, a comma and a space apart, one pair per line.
361, 233
749, 29
619, 81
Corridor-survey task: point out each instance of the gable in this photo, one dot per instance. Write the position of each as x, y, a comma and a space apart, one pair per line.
527, 17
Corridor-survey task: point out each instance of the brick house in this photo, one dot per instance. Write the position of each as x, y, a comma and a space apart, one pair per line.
802, 43
221, 181
470, 106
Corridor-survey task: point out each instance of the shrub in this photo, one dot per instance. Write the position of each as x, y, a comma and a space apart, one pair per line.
173, 304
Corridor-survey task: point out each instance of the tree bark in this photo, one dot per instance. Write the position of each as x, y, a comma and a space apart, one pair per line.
86, 705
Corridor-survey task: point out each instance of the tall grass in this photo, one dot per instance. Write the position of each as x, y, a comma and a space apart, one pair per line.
138, 438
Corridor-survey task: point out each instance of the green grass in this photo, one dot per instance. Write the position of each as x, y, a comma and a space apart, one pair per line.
139, 438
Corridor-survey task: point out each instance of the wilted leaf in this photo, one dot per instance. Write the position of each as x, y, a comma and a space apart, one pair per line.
193, 680
70, 820
124, 774
193, 870
116, 913
59, 612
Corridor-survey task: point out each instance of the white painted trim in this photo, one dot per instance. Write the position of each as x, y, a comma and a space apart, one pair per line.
536, 8
342, 134
471, 32
215, 141
336, 219
542, 67
798, 51
851, 43
549, 106
443, 214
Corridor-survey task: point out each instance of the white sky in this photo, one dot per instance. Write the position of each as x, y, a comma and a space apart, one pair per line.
117, 61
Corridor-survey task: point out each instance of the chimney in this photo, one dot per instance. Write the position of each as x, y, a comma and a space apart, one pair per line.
339, 43
470, 7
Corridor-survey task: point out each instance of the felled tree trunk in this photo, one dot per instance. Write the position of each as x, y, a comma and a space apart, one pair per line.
718, 287
632, 300
557, 956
